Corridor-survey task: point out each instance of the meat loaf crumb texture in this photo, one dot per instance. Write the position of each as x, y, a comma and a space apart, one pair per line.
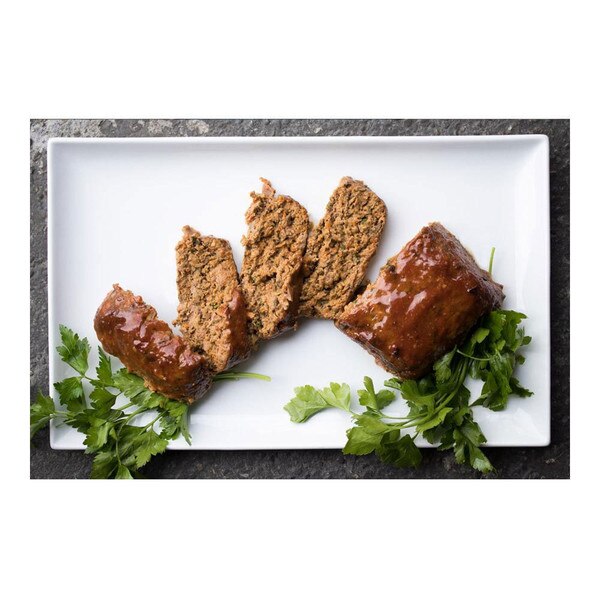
212, 310
425, 301
272, 267
129, 329
339, 249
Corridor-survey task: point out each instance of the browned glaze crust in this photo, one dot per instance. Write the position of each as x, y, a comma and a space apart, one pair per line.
129, 329
424, 302
238, 322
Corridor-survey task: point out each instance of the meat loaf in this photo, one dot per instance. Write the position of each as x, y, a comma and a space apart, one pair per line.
212, 310
272, 266
339, 249
424, 302
129, 329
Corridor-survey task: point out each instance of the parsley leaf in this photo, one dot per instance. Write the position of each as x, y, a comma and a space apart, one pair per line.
40, 413
104, 369
102, 399
399, 450
308, 400
337, 395
120, 449
369, 398
419, 395
73, 351
174, 421
148, 444
71, 394
467, 439
105, 465
362, 440
495, 358
442, 402
132, 387
371, 434
438, 403
365, 436
442, 369
123, 473
97, 436
306, 403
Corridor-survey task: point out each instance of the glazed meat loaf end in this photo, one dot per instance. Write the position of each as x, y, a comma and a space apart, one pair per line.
272, 267
212, 310
339, 249
129, 329
425, 300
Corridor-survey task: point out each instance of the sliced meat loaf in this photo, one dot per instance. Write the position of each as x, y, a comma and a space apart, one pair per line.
425, 301
129, 329
272, 267
339, 249
212, 311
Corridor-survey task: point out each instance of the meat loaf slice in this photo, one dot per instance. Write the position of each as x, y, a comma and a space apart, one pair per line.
339, 249
212, 311
129, 329
424, 302
272, 266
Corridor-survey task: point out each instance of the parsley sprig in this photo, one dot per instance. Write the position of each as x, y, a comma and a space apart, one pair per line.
120, 445
439, 404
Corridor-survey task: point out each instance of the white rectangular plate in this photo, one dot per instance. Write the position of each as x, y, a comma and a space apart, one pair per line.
116, 208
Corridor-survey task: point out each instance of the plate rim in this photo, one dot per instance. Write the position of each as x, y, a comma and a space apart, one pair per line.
541, 140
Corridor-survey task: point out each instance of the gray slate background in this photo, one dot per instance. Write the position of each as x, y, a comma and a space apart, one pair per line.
550, 462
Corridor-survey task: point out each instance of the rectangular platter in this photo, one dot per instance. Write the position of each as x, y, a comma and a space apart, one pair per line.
115, 212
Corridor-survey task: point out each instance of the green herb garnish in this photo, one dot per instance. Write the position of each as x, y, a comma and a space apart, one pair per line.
120, 446
439, 408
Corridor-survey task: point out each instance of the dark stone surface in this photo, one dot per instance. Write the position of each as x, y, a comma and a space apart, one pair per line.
550, 462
